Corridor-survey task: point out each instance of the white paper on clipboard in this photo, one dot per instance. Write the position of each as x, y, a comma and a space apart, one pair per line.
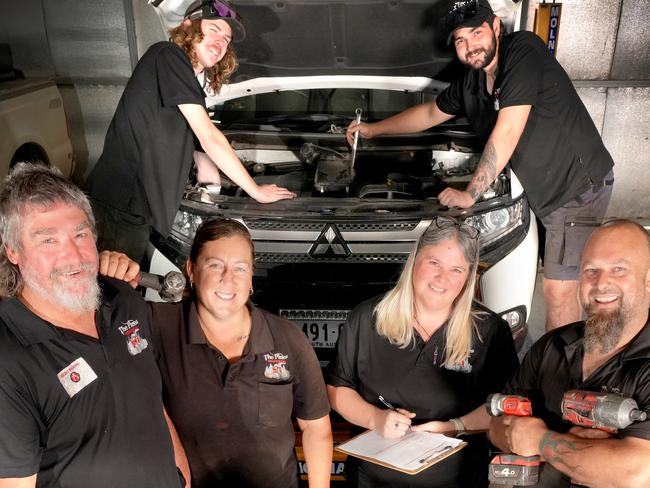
411, 453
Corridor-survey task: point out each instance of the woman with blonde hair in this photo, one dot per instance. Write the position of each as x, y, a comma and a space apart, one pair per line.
431, 353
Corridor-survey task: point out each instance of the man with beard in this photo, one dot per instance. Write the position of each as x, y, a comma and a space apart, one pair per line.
609, 352
80, 393
524, 108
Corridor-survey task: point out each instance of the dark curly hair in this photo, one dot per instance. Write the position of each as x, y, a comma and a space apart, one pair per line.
186, 36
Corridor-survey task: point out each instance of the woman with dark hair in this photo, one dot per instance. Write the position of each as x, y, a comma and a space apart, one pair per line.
161, 126
233, 375
430, 352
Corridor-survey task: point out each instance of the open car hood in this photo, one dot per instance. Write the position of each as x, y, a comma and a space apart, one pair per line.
288, 38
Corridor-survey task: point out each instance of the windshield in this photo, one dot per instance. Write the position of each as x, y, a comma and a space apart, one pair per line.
318, 106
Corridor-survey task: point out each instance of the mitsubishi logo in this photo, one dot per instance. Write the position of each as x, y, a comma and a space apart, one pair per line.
329, 244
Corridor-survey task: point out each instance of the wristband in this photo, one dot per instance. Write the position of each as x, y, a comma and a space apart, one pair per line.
459, 426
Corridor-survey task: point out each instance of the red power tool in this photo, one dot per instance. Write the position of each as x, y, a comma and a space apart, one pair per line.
603, 411
512, 469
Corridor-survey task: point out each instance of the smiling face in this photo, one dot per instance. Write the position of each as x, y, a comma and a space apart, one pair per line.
615, 280
439, 275
57, 258
216, 39
223, 277
476, 47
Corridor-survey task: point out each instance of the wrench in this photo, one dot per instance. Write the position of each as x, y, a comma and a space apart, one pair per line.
356, 140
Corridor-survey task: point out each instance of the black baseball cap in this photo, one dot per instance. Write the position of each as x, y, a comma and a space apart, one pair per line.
466, 13
217, 9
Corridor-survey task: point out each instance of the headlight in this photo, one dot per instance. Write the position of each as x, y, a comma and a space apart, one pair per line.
185, 226
496, 224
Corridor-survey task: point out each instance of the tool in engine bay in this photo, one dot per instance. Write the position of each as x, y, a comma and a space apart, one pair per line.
357, 112
334, 172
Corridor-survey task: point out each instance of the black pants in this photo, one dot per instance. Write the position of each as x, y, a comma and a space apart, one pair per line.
121, 231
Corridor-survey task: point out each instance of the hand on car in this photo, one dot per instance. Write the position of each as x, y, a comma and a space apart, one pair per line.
455, 198
272, 193
365, 130
392, 424
118, 265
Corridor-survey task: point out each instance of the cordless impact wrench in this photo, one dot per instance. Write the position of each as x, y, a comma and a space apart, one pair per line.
512, 469
603, 411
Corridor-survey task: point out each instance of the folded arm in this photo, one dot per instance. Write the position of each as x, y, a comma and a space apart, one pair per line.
597, 463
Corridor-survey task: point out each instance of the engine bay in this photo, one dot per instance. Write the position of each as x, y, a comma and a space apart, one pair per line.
383, 169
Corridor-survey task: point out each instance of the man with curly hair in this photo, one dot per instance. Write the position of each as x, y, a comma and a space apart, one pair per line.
161, 126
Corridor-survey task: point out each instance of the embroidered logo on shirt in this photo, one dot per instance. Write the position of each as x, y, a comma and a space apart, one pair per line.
135, 343
495, 96
76, 376
463, 367
276, 366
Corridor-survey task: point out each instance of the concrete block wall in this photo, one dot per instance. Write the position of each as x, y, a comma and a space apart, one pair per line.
603, 45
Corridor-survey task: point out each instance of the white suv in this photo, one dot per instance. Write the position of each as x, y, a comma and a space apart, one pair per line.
349, 231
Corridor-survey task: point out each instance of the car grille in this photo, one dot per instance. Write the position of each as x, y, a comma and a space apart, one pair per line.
255, 224
282, 258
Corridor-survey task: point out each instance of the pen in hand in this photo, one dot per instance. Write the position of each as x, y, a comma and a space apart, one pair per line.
387, 403
391, 407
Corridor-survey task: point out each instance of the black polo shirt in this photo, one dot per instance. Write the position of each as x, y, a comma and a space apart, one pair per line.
148, 148
82, 412
554, 365
414, 378
560, 153
235, 421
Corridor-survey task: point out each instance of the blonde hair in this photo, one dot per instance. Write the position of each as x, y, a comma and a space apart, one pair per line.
395, 313
186, 36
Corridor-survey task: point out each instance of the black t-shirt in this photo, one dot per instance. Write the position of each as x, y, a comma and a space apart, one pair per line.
414, 378
81, 412
148, 149
554, 365
560, 153
235, 421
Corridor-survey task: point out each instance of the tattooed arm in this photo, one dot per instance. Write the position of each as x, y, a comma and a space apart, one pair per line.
498, 150
609, 462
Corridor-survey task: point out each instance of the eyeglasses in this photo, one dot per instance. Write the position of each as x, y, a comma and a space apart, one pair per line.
213, 8
447, 222
459, 13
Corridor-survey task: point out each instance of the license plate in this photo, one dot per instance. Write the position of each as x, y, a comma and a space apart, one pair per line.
321, 327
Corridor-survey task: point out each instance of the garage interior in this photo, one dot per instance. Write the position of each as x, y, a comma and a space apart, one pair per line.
90, 49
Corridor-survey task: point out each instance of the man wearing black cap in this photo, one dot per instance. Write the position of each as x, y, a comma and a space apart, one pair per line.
138, 180
523, 106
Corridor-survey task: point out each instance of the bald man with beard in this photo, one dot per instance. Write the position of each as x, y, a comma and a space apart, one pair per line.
608, 352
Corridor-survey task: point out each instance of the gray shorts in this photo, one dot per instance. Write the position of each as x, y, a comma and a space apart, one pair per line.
568, 228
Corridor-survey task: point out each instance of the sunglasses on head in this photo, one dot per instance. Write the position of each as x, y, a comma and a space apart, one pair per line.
213, 8
447, 222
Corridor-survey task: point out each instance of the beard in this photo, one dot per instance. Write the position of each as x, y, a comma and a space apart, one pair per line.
603, 330
63, 294
489, 54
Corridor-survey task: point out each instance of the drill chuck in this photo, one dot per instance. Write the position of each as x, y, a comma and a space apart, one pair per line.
498, 404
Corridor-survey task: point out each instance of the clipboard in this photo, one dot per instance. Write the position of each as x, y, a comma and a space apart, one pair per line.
410, 454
